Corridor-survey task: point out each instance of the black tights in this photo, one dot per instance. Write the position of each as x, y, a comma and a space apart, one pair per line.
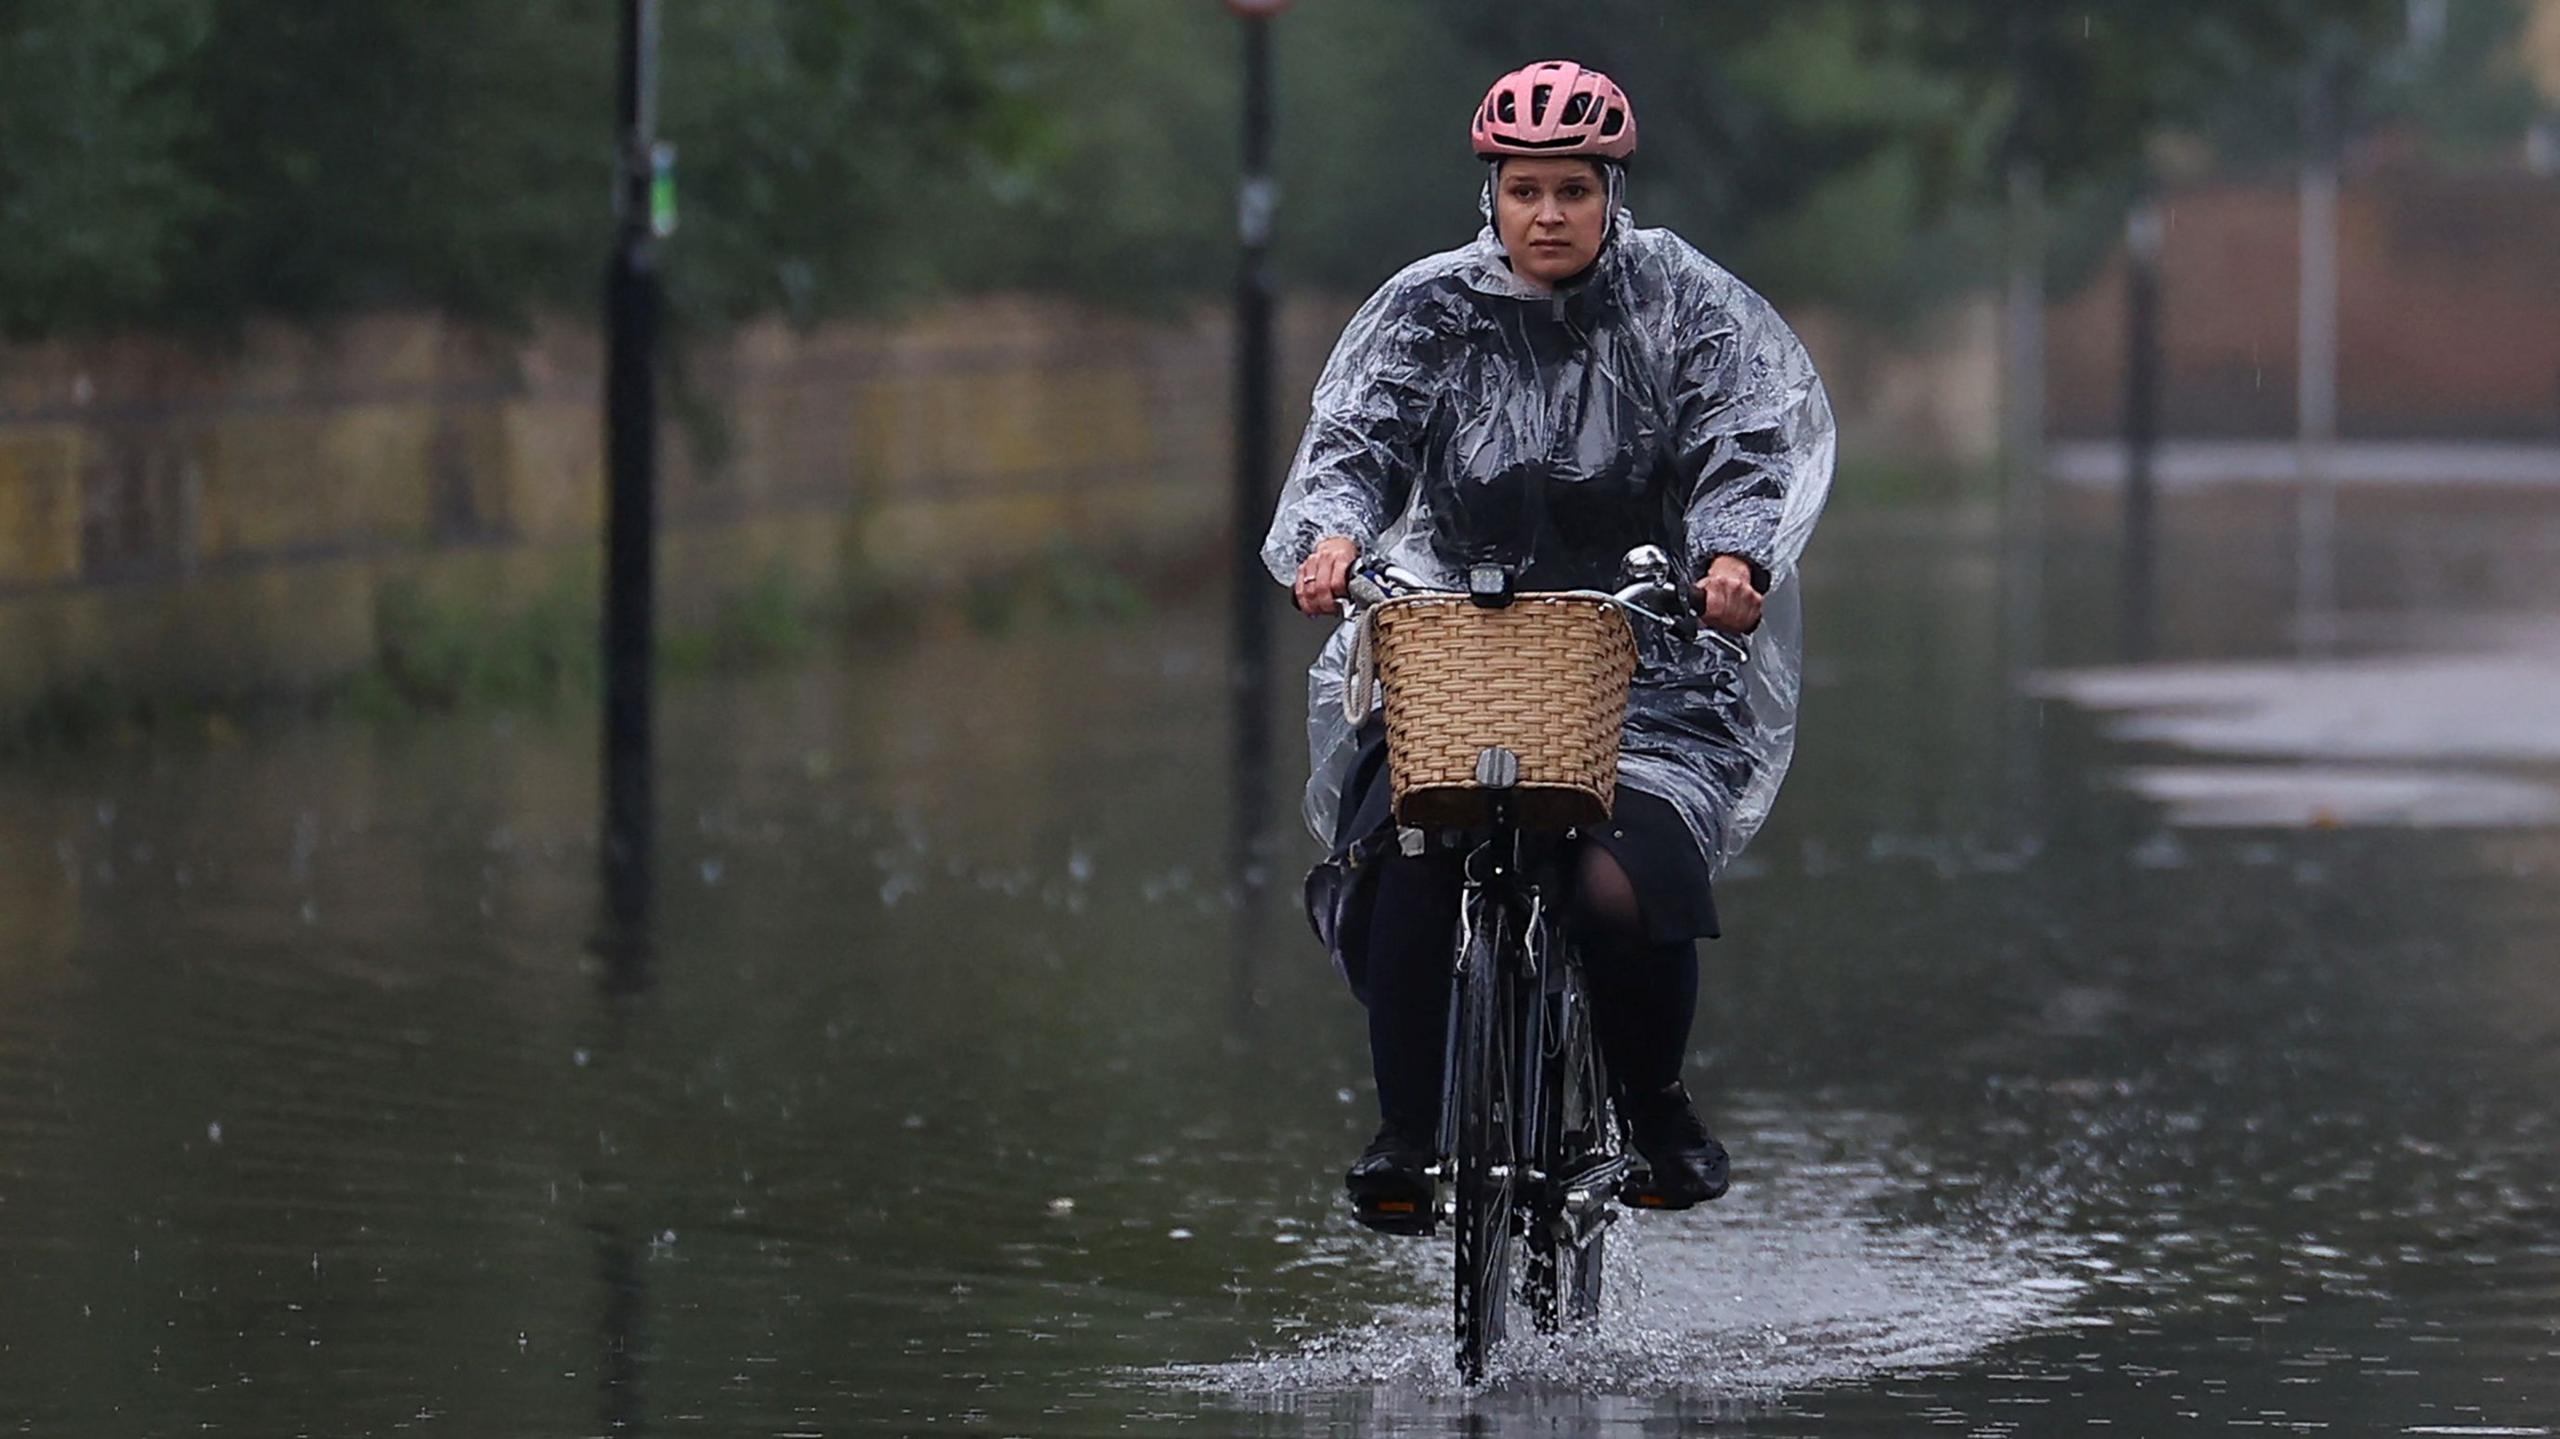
1643, 994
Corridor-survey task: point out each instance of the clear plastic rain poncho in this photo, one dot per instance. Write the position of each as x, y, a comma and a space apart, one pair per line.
1467, 416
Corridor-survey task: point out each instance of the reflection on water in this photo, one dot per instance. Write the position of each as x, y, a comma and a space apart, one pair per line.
946, 1096
2461, 691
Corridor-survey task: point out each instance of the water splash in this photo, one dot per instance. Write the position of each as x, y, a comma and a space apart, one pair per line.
1792, 1282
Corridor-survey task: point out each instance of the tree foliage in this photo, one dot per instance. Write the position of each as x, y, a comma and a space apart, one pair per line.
1749, 118
92, 192
1846, 149
2079, 86
198, 161
2472, 88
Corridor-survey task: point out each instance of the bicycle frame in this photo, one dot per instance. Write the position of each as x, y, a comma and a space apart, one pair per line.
1519, 1037
1511, 952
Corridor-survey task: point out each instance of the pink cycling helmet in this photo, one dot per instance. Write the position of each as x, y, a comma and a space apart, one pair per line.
1555, 107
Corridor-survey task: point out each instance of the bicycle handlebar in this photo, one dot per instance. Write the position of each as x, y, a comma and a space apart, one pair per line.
1373, 584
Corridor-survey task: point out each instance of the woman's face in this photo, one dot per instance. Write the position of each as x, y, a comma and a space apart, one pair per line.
1550, 215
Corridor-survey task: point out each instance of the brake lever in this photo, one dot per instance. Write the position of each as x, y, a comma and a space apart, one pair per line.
1651, 600
1683, 627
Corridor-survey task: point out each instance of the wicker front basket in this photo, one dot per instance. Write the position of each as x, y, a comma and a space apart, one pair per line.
1544, 677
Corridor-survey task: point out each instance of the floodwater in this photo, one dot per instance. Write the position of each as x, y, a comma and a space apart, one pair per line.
955, 1092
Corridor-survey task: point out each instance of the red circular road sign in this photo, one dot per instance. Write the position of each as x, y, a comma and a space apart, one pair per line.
1257, 9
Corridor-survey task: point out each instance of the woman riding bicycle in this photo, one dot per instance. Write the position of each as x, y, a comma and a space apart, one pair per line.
1544, 399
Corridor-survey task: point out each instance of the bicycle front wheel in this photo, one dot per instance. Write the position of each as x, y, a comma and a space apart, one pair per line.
1575, 1148
1483, 1151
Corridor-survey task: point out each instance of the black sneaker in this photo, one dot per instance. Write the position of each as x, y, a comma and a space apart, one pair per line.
1390, 1183
1684, 1164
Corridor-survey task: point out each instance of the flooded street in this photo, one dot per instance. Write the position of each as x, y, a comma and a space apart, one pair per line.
2085, 1065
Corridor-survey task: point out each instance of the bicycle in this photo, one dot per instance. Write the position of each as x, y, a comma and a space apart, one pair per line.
1529, 1142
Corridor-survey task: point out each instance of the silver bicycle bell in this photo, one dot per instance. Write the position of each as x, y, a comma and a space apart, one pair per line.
1645, 564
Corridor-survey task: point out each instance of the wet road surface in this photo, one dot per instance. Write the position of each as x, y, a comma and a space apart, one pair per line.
956, 1093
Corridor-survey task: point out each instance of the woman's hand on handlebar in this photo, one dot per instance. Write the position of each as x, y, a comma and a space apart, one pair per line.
1726, 599
1325, 576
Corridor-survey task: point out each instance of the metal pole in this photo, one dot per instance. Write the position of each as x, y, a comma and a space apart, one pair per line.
631, 465
2316, 502
2143, 243
2024, 492
1251, 597
2023, 426
2023, 430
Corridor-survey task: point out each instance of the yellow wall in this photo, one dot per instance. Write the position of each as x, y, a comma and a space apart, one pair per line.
40, 504
179, 518
176, 519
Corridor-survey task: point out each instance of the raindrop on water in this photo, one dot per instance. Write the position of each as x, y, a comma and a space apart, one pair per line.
2160, 851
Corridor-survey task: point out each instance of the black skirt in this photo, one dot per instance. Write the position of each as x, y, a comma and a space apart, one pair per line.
1644, 834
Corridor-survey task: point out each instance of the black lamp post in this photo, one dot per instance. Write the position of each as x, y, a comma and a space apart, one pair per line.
644, 213
1250, 652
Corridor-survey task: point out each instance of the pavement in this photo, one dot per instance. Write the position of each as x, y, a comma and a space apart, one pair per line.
2204, 464
2466, 738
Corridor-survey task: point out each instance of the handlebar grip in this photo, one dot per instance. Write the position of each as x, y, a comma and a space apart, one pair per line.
1365, 591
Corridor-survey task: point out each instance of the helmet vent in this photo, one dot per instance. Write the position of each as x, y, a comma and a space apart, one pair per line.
1555, 107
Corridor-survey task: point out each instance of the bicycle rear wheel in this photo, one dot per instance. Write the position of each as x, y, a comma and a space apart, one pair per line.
1481, 1074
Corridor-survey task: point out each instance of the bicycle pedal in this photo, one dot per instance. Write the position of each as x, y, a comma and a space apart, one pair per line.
1394, 1214
1638, 1192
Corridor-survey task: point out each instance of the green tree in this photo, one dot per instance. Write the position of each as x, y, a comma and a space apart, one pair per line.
199, 161
203, 160
366, 155
2081, 86
816, 137
93, 193
2468, 92
1131, 193
1848, 150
